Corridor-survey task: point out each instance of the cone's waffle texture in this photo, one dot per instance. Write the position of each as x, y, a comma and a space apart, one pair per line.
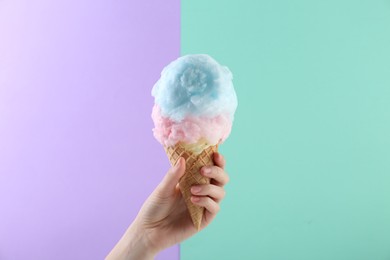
192, 176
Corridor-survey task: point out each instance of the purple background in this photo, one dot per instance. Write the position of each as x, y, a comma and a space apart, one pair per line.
77, 155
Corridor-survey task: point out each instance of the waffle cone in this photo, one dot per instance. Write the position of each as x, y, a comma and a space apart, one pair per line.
192, 176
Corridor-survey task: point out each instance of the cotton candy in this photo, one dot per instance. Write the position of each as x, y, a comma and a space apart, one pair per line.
195, 85
194, 100
191, 129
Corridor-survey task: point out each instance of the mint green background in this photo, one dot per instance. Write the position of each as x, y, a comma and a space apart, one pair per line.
309, 155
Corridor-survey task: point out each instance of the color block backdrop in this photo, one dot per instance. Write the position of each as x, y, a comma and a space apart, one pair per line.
309, 155
77, 155
309, 152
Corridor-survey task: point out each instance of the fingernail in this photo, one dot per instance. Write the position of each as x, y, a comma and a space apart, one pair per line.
206, 171
195, 199
195, 189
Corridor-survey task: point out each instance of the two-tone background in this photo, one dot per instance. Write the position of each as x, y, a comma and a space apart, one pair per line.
309, 154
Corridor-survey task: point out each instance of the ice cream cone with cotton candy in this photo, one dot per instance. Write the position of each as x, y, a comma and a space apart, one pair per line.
193, 113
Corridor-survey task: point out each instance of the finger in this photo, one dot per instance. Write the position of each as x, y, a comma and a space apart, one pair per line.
168, 184
215, 192
219, 160
206, 202
216, 173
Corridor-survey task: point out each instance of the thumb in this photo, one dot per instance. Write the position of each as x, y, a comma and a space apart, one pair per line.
168, 184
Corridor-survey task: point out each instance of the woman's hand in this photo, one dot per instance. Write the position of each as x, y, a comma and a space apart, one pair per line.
163, 220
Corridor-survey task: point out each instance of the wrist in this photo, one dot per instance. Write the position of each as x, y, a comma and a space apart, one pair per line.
138, 244
133, 245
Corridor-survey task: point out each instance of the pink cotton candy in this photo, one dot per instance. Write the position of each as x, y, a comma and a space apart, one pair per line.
191, 129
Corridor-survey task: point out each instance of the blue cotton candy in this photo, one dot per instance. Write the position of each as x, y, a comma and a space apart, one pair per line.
195, 85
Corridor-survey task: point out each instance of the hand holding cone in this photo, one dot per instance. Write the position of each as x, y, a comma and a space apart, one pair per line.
193, 113
192, 175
